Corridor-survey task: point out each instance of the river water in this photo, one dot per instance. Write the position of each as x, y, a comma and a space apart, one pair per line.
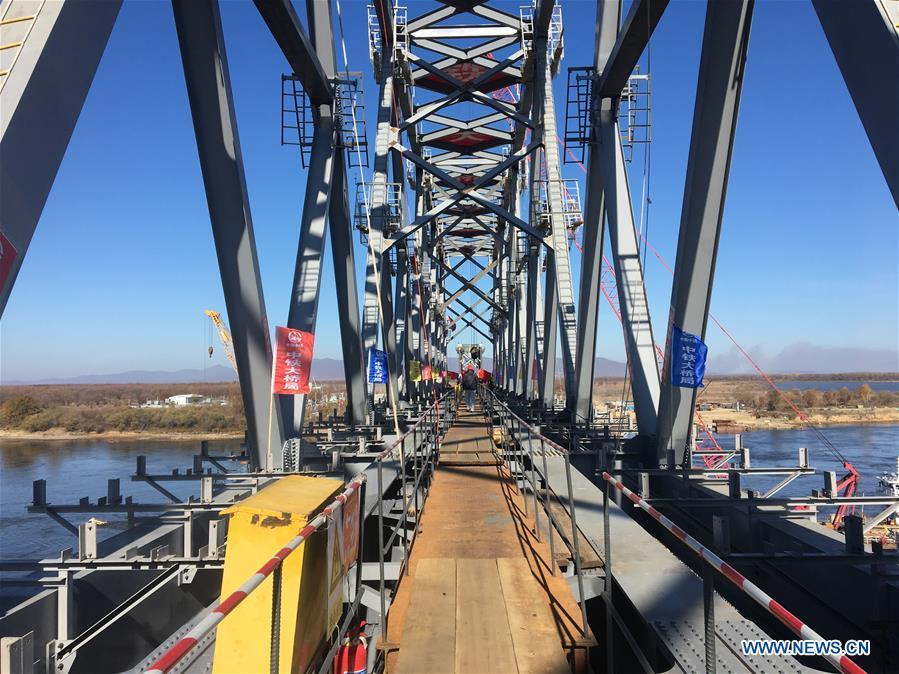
74, 469
77, 468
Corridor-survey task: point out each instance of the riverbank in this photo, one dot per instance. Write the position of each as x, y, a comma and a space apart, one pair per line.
732, 421
113, 436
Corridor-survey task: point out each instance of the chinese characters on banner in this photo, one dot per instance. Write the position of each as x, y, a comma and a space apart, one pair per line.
293, 360
688, 355
350, 530
426, 373
7, 257
377, 366
414, 370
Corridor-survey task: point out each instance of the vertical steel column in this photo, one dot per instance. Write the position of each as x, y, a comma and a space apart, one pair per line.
563, 298
633, 305
209, 90
307, 276
400, 315
43, 94
550, 310
341, 230
608, 16
378, 210
721, 70
865, 44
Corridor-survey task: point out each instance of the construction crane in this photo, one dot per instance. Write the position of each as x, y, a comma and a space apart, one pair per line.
224, 335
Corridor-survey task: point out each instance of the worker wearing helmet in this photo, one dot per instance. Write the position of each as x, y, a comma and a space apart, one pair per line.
470, 386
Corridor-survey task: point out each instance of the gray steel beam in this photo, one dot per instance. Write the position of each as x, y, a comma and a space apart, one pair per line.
865, 43
303, 309
400, 314
209, 90
633, 305
608, 13
40, 109
545, 119
342, 251
285, 26
543, 14
532, 280
641, 21
380, 312
549, 338
721, 70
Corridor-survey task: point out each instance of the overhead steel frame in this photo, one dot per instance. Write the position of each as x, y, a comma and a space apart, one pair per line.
721, 70
215, 126
468, 214
40, 109
209, 92
325, 205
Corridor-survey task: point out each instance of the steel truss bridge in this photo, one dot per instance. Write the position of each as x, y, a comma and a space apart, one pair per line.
466, 221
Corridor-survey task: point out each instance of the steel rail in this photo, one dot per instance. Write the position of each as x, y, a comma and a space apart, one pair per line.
841, 662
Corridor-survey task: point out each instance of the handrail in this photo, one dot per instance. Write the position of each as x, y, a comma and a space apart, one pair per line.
401, 438
842, 663
574, 546
183, 646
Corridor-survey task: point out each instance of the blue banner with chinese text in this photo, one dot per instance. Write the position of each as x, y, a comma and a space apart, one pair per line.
688, 355
377, 366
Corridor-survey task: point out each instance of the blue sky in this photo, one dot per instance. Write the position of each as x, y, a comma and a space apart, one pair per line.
122, 263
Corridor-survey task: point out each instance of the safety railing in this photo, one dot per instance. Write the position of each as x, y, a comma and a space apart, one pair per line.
423, 439
711, 561
167, 661
426, 435
513, 446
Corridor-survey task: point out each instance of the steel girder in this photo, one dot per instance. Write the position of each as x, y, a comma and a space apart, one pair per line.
580, 405
864, 41
285, 26
632, 303
721, 70
378, 308
209, 91
40, 109
325, 207
559, 289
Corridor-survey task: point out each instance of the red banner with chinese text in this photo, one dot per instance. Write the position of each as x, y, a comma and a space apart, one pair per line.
7, 257
293, 361
351, 530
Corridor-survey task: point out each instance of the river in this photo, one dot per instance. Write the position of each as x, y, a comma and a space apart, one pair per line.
74, 469
77, 468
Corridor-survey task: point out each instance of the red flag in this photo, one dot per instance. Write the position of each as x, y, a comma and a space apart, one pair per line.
293, 360
7, 257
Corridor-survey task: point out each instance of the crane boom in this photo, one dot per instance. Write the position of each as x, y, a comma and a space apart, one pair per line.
224, 335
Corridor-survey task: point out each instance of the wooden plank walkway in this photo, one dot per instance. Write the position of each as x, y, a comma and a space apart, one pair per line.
480, 597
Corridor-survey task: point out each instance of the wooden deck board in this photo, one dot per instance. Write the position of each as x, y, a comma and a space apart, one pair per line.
483, 637
429, 641
503, 612
533, 628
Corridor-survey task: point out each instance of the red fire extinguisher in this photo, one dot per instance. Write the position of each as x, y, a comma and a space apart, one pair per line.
352, 656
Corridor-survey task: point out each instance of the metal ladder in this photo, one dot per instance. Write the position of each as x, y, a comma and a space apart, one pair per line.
16, 21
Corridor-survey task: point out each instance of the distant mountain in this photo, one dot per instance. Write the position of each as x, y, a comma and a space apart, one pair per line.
322, 368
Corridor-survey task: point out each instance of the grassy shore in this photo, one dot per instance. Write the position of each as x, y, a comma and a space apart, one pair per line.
115, 412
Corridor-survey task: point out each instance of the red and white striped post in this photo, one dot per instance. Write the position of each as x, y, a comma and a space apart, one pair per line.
798, 627
184, 645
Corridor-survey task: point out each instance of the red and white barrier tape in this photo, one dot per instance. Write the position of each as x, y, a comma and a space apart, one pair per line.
183, 646
841, 662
